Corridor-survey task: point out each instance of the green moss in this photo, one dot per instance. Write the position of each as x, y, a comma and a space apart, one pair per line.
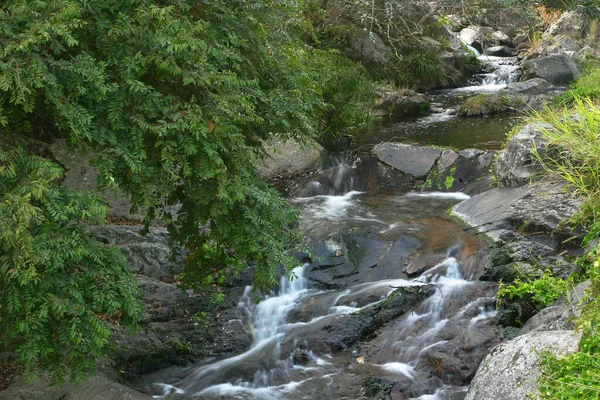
485, 104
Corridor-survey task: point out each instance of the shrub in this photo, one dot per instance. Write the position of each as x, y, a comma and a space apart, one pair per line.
59, 287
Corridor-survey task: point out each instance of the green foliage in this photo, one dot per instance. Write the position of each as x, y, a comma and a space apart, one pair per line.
576, 375
540, 291
573, 134
175, 99
345, 90
449, 182
58, 286
587, 86
423, 68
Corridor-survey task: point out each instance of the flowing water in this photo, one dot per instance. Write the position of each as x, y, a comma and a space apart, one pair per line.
443, 127
389, 241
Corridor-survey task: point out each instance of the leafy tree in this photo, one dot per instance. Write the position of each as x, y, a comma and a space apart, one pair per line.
175, 99
58, 286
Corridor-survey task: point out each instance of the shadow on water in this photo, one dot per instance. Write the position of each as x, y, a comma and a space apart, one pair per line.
486, 133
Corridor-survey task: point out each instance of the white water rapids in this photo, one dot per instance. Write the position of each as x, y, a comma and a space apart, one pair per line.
265, 372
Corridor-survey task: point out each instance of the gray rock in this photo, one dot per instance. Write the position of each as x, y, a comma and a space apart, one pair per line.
370, 47
289, 155
541, 206
531, 86
556, 45
501, 39
171, 333
415, 161
403, 103
512, 369
344, 331
148, 255
353, 257
517, 165
446, 160
500, 51
470, 153
558, 69
472, 37
571, 24
96, 388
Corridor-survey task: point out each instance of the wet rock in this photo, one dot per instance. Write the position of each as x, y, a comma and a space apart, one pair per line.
500, 51
517, 164
348, 258
378, 388
512, 369
350, 329
531, 86
403, 103
458, 172
96, 387
415, 161
291, 156
558, 69
173, 331
526, 222
560, 316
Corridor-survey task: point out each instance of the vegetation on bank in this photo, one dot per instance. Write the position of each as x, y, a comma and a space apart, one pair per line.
574, 134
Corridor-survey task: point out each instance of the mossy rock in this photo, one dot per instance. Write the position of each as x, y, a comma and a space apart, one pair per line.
486, 104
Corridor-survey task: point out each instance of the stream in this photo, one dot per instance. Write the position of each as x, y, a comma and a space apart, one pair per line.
389, 306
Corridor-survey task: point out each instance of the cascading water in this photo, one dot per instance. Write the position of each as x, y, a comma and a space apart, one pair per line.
285, 359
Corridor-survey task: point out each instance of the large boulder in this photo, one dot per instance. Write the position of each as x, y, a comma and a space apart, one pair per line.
531, 86
571, 24
518, 164
500, 51
569, 34
558, 69
526, 223
471, 36
289, 155
541, 206
512, 369
502, 39
369, 47
402, 103
415, 161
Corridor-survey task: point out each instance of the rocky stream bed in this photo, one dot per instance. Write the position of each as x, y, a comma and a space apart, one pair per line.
411, 226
